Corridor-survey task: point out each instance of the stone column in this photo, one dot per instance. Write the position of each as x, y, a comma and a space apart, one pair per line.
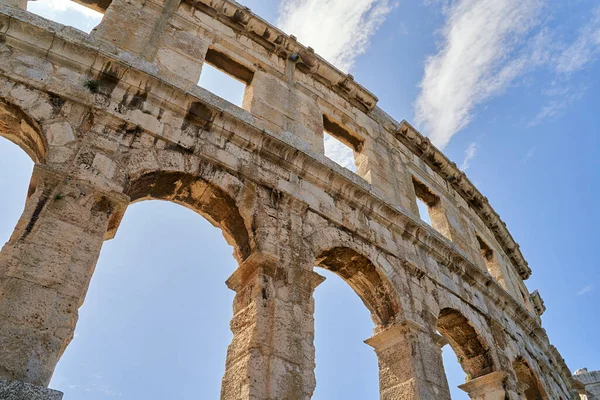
410, 363
45, 270
272, 352
281, 105
487, 387
153, 30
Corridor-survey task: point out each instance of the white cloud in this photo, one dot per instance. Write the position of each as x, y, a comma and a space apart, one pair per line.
469, 155
66, 12
479, 57
586, 290
584, 50
338, 30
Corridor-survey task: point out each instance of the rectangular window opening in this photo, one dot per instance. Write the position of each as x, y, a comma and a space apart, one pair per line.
341, 145
426, 201
491, 263
70, 13
486, 251
423, 211
225, 77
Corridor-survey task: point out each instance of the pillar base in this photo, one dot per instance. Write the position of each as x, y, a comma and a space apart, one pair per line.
16, 390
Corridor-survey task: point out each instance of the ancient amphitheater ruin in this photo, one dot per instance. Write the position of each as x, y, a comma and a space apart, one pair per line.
116, 117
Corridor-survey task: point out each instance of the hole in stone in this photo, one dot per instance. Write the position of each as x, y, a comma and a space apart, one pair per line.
223, 85
339, 152
66, 12
225, 77
423, 211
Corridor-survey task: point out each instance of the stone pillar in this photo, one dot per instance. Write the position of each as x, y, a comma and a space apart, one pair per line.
487, 387
45, 270
410, 363
281, 105
272, 352
153, 30
15, 3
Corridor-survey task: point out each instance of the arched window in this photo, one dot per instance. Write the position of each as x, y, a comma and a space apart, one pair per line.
454, 373
346, 367
157, 311
529, 386
468, 347
21, 146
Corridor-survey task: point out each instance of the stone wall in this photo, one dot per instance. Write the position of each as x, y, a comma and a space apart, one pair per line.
116, 117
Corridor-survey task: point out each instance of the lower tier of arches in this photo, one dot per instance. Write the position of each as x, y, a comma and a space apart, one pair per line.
46, 267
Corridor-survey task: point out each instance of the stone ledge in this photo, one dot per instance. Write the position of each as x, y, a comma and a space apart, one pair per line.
16, 390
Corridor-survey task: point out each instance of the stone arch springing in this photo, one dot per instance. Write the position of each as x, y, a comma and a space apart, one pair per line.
471, 350
200, 196
22, 130
529, 385
365, 279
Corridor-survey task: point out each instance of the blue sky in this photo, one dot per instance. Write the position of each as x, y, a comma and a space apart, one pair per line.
508, 88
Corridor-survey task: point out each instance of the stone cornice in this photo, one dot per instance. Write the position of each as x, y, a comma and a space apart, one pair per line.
438, 162
245, 22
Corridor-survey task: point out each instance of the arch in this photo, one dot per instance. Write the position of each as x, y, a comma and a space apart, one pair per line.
468, 345
200, 196
22, 130
365, 279
529, 384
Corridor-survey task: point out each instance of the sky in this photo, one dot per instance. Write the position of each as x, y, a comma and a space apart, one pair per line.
507, 88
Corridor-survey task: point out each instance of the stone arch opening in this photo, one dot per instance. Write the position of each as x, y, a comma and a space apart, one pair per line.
200, 196
18, 134
345, 366
165, 274
365, 279
529, 385
19, 128
471, 350
13, 186
350, 273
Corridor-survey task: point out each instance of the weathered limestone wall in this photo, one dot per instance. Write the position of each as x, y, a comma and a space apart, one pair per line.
589, 383
116, 117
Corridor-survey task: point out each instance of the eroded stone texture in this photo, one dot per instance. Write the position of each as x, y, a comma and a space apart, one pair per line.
589, 383
15, 390
115, 117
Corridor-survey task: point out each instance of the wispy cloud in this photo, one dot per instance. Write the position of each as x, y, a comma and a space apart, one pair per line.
586, 290
560, 96
584, 50
479, 57
469, 155
338, 30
